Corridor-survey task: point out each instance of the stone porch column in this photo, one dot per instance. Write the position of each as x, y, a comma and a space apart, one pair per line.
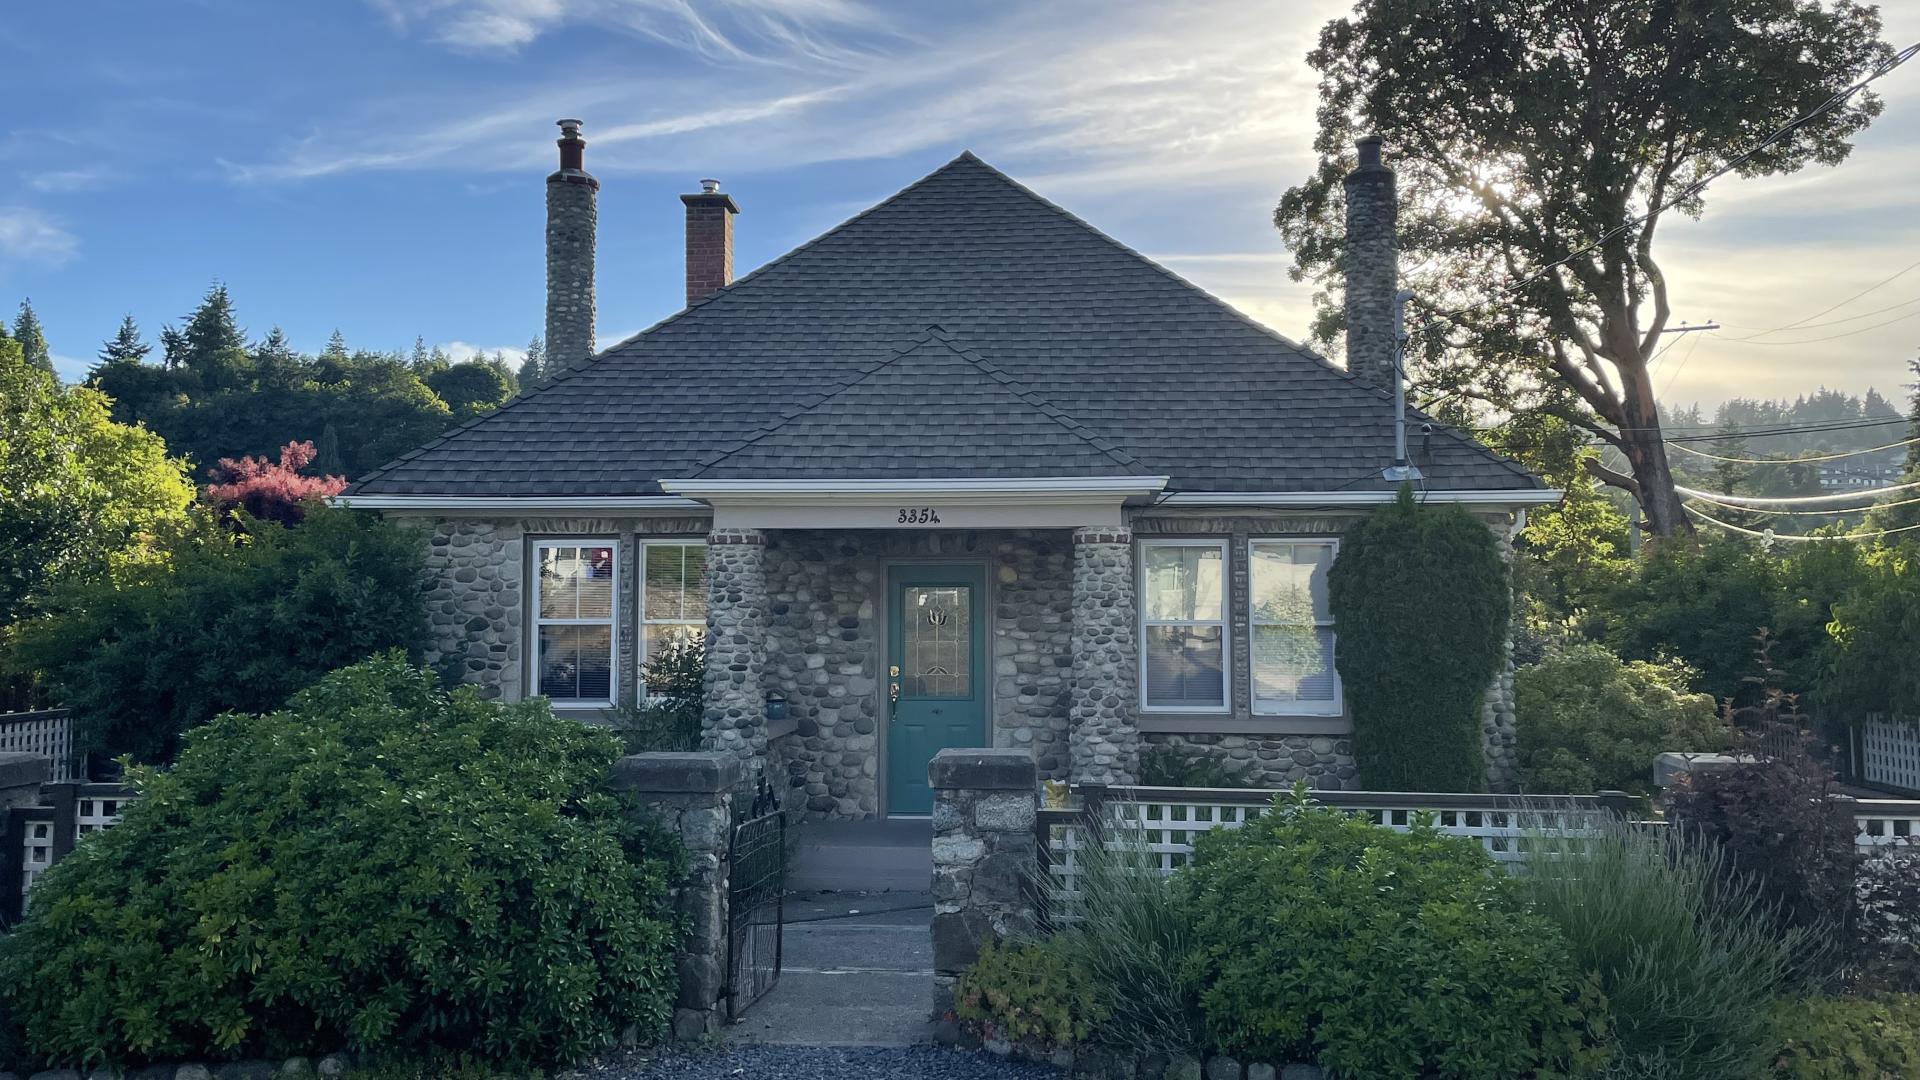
1104, 741
736, 719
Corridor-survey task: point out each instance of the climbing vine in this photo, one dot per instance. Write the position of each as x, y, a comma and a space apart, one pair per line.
1421, 599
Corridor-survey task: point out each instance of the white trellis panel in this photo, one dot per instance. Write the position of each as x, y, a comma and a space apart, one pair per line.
49, 734
1890, 753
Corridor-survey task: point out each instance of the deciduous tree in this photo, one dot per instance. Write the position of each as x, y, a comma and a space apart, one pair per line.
1523, 131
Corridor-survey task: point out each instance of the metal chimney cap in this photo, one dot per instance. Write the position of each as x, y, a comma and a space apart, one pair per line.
1369, 147
569, 127
709, 187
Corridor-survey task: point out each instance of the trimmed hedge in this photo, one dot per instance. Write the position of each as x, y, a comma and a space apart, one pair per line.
1420, 596
381, 865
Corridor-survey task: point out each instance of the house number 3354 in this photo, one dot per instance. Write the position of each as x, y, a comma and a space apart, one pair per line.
919, 515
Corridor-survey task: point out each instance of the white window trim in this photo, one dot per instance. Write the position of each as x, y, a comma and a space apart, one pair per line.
1338, 707
1225, 622
640, 592
612, 621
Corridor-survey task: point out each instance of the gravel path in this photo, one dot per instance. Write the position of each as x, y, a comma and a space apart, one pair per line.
740, 1061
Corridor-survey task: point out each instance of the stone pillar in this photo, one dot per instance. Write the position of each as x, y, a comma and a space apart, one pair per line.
984, 851
692, 794
1105, 743
572, 217
1499, 730
1372, 266
736, 719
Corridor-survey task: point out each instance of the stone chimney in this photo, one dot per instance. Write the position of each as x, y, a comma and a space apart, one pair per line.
572, 213
1373, 266
709, 240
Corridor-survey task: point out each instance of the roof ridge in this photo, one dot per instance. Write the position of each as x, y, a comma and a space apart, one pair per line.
932, 332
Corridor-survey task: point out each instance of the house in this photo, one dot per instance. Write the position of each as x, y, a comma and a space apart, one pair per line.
961, 471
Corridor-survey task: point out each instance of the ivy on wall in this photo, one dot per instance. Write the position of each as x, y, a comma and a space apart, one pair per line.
1420, 596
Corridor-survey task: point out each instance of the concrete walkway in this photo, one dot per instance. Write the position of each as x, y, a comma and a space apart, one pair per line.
858, 959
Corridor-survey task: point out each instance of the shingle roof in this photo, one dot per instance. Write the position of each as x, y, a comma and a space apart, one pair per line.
1059, 351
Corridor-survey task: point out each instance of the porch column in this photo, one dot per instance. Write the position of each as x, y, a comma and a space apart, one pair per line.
1105, 743
736, 718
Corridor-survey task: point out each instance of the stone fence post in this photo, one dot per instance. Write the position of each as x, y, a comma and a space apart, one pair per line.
21, 777
984, 853
692, 794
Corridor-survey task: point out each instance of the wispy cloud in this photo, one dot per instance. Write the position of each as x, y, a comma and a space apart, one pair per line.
461, 351
768, 31
60, 180
29, 237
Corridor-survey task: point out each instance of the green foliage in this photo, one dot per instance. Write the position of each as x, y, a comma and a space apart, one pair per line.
1033, 992
1688, 961
1326, 938
1700, 601
1166, 766
32, 341
1132, 937
675, 707
229, 622
1515, 125
1876, 635
472, 388
1420, 596
381, 864
1874, 1038
1589, 722
81, 497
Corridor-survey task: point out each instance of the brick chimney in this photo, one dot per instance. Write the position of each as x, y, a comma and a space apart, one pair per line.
1372, 266
572, 213
709, 240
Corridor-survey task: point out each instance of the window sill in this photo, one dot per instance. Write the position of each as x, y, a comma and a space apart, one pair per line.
1226, 724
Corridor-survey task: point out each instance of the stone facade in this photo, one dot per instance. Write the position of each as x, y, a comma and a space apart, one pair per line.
985, 804
1325, 762
826, 603
1105, 742
1499, 731
736, 720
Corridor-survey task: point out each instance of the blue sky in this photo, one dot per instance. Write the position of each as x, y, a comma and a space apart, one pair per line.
378, 166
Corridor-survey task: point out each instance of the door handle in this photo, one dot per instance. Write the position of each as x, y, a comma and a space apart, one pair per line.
893, 693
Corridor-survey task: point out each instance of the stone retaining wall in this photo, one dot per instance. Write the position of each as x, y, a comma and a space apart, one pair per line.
985, 803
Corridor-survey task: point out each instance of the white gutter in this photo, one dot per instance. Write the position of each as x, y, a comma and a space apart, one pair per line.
1318, 499
518, 504
963, 490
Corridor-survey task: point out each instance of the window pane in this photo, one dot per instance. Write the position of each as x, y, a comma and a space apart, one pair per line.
676, 576
1185, 666
576, 663
1294, 664
1184, 583
1290, 582
937, 637
659, 637
576, 583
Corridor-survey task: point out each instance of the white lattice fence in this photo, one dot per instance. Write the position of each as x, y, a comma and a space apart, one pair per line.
44, 834
1885, 823
1166, 822
1890, 753
49, 734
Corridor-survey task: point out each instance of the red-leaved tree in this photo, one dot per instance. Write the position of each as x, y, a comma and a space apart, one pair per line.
268, 491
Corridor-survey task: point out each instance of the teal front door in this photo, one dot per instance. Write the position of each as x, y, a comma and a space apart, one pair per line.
936, 673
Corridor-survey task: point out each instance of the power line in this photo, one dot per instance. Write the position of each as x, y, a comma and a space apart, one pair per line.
1801, 323
1700, 185
1830, 322
1808, 513
1832, 337
1790, 461
1746, 501
1798, 429
1771, 536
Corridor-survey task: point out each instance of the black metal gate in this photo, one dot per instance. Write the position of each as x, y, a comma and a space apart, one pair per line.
756, 913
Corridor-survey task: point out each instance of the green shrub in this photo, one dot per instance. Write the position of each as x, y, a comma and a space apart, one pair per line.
381, 864
1033, 992
229, 623
1133, 936
1420, 596
1378, 953
1848, 1039
1589, 722
670, 717
1689, 962
1876, 636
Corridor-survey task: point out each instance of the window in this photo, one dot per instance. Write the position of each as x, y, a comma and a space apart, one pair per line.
673, 596
1292, 628
1183, 625
573, 621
